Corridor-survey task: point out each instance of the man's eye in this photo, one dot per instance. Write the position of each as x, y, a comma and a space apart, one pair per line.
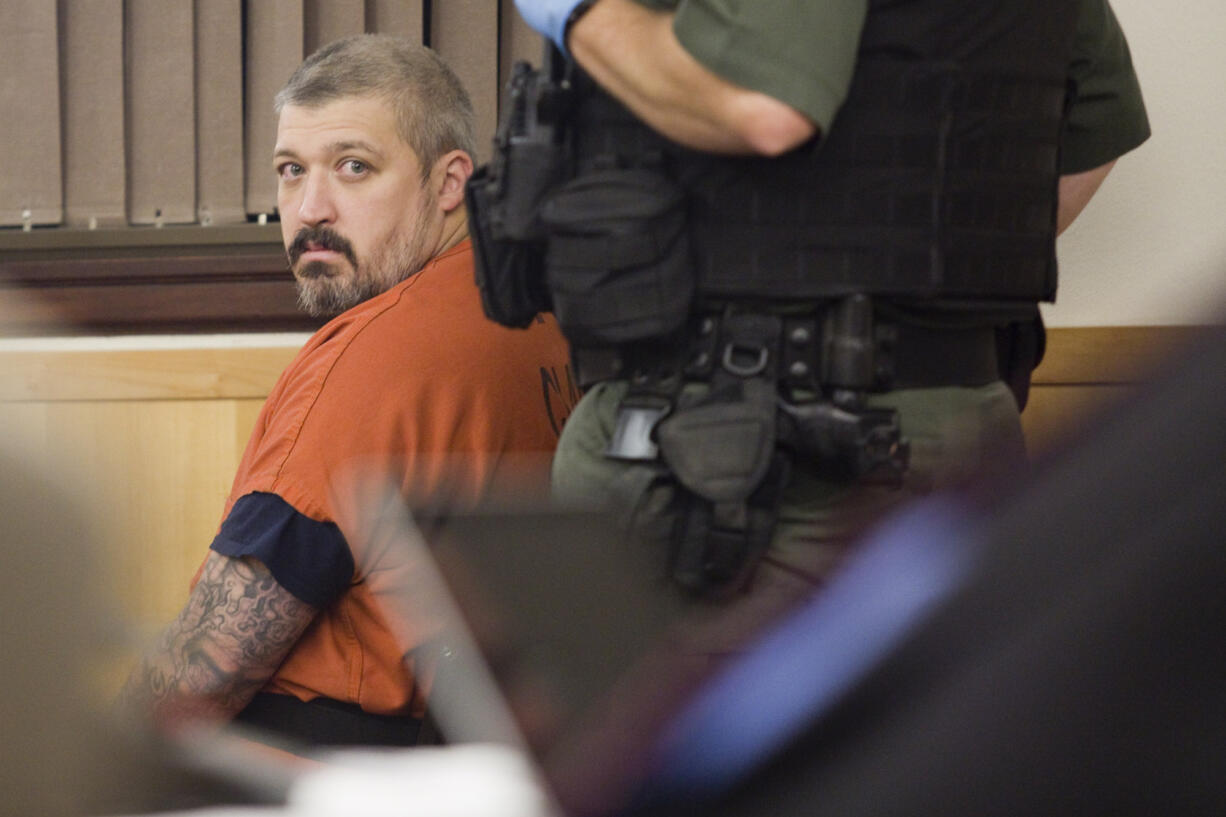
289, 170
354, 167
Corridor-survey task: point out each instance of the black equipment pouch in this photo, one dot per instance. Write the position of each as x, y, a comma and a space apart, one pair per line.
618, 257
722, 450
504, 197
509, 273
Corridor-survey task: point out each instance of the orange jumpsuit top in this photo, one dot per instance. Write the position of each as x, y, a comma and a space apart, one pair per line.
415, 385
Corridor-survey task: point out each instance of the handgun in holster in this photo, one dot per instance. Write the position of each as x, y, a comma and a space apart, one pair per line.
838, 429
504, 196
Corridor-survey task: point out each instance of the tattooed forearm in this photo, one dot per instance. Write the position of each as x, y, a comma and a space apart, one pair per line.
236, 629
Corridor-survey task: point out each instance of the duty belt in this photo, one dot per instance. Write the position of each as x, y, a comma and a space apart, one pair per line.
919, 357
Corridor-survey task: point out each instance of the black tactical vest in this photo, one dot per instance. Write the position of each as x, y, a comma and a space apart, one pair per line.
936, 181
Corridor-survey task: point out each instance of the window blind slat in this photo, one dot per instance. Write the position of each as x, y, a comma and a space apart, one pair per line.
219, 112
91, 43
518, 42
32, 180
328, 20
400, 18
274, 50
161, 111
465, 33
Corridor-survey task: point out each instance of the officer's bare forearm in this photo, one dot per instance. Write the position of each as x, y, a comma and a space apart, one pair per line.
631, 51
235, 630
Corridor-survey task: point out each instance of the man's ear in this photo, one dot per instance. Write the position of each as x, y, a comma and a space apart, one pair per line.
451, 172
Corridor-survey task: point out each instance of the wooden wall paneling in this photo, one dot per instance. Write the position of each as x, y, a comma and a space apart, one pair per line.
328, 20
127, 293
274, 49
141, 374
161, 111
465, 33
219, 112
29, 314
1089, 370
168, 465
225, 278
156, 435
1056, 415
202, 305
92, 71
1112, 354
25, 424
400, 18
166, 429
31, 184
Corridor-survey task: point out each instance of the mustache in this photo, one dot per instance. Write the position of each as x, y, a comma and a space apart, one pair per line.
320, 238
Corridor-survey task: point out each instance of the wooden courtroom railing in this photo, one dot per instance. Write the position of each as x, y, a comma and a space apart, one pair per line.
160, 431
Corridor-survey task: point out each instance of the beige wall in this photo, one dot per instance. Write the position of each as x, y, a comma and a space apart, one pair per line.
1151, 248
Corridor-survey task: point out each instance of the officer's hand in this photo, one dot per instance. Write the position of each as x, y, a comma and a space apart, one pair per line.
548, 17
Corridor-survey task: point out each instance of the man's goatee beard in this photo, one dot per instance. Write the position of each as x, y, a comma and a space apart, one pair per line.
324, 296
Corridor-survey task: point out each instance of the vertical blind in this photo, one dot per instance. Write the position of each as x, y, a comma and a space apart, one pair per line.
138, 112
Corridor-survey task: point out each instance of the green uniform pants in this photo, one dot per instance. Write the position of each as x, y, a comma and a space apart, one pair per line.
957, 435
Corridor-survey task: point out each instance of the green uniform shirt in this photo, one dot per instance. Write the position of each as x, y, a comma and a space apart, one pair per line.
771, 46
1107, 118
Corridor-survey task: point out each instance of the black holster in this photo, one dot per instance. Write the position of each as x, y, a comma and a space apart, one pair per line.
722, 451
504, 198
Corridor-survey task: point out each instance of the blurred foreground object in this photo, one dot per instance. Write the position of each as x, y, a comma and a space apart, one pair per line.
60, 628
1078, 669
49, 616
473, 780
60, 754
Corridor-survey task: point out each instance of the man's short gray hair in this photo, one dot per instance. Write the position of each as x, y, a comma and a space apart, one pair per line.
433, 111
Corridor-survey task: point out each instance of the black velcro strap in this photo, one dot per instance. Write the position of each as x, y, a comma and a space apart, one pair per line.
327, 722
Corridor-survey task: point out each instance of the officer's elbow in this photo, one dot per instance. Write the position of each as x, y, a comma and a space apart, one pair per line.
769, 127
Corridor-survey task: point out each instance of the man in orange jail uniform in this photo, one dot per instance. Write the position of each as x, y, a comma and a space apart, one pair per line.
283, 627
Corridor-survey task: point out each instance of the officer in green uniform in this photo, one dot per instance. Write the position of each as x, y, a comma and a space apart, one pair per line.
785, 244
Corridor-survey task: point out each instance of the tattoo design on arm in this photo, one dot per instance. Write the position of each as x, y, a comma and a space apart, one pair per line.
235, 630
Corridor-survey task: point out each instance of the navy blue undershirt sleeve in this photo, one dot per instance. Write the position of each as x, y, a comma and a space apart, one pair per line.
310, 559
